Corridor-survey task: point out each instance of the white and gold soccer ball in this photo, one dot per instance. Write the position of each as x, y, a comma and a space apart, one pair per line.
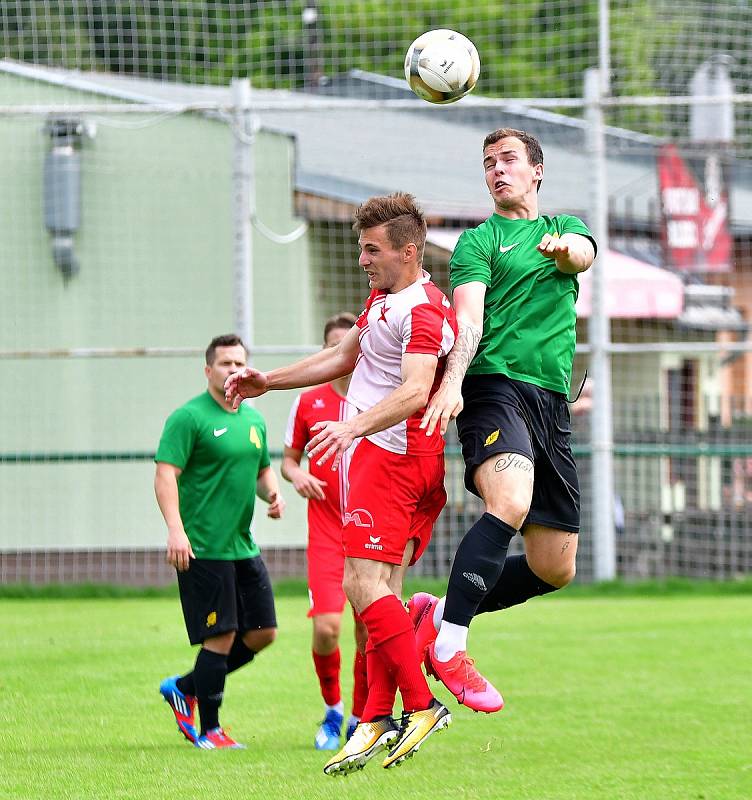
442, 66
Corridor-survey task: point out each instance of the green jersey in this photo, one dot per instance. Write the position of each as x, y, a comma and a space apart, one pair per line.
529, 317
220, 454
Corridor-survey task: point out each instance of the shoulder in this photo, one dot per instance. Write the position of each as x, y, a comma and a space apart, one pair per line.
190, 411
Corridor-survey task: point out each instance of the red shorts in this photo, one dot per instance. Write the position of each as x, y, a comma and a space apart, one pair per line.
392, 499
326, 564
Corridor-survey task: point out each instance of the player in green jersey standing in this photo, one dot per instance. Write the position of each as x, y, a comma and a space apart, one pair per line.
514, 279
212, 461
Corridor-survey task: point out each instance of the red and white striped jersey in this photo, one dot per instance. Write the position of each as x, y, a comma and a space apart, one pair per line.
322, 404
418, 319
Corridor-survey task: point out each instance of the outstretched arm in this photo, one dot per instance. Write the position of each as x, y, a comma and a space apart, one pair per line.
334, 438
446, 402
321, 367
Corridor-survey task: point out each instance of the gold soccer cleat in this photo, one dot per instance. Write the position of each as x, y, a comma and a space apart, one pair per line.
416, 727
368, 739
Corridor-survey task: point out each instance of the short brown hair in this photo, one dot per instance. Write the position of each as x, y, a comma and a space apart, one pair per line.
532, 145
225, 340
344, 320
398, 212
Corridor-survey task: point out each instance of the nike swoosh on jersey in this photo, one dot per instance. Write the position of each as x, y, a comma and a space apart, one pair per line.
503, 249
219, 431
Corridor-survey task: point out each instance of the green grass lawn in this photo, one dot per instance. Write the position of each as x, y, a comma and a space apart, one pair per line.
617, 698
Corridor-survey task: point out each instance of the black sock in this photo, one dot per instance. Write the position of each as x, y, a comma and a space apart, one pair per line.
209, 678
239, 656
516, 584
186, 684
476, 568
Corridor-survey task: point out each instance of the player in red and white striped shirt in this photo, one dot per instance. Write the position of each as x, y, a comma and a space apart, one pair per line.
326, 493
396, 479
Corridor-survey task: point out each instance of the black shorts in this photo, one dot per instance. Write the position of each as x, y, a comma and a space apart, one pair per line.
222, 596
502, 415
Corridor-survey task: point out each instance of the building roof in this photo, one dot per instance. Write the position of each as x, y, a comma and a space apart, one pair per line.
348, 154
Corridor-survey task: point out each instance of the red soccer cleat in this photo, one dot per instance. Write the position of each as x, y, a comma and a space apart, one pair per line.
464, 681
420, 607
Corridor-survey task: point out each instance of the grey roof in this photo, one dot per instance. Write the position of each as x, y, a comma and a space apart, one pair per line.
349, 154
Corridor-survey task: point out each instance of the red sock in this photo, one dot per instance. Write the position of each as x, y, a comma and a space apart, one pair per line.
360, 684
327, 668
382, 687
391, 634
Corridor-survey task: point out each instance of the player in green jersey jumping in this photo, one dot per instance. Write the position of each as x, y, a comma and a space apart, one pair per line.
514, 279
212, 461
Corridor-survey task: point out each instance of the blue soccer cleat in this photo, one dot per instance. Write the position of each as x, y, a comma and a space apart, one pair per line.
327, 736
183, 707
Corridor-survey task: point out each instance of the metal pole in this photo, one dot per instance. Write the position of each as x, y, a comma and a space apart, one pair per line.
601, 432
242, 189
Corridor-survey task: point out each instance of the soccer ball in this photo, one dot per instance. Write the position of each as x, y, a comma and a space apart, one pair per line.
441, 66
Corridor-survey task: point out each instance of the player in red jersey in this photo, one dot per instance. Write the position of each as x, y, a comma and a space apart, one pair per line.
327, 495
396, 353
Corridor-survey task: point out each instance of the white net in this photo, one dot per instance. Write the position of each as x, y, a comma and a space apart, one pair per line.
149, 205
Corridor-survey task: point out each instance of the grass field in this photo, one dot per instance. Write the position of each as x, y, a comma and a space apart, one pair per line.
607, 697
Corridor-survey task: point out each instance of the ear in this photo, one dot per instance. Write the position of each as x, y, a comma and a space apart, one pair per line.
207, 370
538, 172
410, 252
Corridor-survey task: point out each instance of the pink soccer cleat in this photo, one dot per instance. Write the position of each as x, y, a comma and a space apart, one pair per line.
464, 681
216, 739
420, 607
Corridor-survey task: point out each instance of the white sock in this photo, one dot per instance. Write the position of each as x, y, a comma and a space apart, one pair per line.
450, 640
338, 707
438, 614
353, 720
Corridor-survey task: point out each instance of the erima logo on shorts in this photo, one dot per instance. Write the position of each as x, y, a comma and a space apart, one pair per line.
476, 580
492, 437
359, 517
211, 619
373, 544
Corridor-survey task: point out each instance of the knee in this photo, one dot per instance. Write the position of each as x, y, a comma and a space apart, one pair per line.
257, 640
558, 575
510, 509
325, 634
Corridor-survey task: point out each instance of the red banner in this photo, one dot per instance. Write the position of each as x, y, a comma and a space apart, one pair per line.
694, 205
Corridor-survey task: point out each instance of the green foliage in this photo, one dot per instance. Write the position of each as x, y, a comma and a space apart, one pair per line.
528, 48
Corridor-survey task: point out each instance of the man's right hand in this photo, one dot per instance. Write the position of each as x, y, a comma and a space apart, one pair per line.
247, 382
308, 486
444, 406
179, 550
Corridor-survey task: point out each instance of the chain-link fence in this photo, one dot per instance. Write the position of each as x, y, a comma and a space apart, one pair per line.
174, 170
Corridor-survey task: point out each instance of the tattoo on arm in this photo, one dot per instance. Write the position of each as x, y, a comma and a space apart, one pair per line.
565, 546
513, 461
463, 352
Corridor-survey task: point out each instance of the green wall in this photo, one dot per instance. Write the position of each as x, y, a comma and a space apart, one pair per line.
156, 254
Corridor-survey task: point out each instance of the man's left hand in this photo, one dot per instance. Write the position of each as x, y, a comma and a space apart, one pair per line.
552, 246
276, 506
332, 439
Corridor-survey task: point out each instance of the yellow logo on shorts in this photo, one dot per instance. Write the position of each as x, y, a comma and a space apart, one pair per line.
211, 619
492, 437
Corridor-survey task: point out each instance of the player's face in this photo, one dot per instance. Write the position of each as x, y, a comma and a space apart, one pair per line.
384, 265
227, 360
335, 336
510, 176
